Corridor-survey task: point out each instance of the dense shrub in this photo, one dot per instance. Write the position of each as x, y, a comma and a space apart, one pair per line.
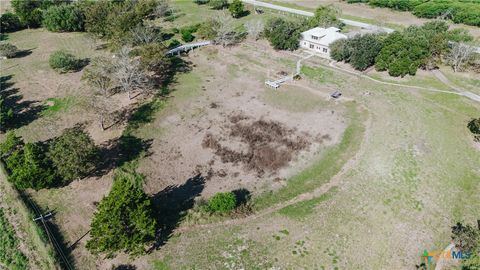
124, 218
474, 126
64, 18
28, 11
283, 34
9, 22
96, 16
236, 9
187, 32
73, 154
222, 202
64, 62
8, 50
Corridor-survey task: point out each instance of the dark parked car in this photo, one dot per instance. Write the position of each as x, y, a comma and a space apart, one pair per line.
336, 94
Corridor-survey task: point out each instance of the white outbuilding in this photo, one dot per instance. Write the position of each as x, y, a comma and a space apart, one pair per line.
318, 39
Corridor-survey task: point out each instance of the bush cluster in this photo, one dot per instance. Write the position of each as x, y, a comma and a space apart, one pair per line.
39, 165
360, 51
222, 202
64, 18
188, 31
9, 22
6, 115
64, 62
8, 50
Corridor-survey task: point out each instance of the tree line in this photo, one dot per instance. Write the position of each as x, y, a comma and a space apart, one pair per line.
459, 11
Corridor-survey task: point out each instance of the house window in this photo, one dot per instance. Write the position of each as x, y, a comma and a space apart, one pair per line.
311, 46
325, 50
314, 37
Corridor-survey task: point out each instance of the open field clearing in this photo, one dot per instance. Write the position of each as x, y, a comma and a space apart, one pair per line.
368, 180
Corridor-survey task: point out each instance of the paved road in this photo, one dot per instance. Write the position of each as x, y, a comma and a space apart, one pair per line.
310, 14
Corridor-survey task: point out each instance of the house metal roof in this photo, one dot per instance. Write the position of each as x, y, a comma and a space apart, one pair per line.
325, 36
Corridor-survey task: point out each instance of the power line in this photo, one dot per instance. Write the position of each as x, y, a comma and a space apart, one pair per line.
50, 235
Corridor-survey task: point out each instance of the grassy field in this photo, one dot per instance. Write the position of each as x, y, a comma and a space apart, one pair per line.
405, 167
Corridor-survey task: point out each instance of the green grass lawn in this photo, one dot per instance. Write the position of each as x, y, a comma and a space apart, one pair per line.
293, 99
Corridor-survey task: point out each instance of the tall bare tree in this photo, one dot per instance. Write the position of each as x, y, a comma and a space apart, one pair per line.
128, 73
460, 54
255, 28
145, 35
99, 74
225, 30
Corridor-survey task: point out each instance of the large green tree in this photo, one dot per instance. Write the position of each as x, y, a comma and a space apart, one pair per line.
124, 219
30, 168
325, 16
73, 154
283, 34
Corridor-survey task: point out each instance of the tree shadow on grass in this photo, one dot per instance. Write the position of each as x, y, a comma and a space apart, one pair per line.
171, 205
24, 112
114, 153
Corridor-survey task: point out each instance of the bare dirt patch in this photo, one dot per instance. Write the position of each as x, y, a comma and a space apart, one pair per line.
266, 146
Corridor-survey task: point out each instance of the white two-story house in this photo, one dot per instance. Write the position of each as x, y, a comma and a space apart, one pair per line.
319, 39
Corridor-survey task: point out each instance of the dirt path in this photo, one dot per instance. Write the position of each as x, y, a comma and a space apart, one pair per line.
448, 83
334, 181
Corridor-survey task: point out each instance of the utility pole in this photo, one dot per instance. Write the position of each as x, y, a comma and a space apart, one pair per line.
51, 237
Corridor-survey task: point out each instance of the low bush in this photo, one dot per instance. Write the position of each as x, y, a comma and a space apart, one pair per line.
222, 202
63, 61
6, 115
474, 126
9, 22
8, 50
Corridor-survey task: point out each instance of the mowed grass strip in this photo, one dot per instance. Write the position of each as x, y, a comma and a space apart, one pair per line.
301, 210
328, 166
35, 241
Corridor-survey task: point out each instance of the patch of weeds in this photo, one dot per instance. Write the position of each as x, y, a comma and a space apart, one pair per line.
300, 249
10, 255
58, 105
302, 209
284, 232
333, 256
